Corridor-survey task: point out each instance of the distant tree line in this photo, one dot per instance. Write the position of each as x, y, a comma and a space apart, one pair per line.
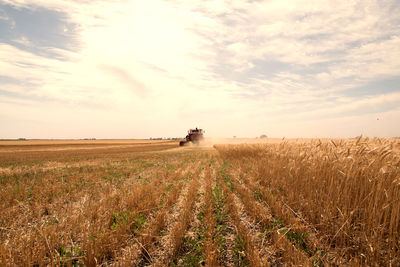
165, 138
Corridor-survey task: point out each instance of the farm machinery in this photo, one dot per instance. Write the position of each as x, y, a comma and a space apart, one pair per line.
194, 136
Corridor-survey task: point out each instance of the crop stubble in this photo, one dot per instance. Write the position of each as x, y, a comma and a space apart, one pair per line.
329, 202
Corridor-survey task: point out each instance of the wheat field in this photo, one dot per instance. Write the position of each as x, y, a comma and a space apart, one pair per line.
152, 203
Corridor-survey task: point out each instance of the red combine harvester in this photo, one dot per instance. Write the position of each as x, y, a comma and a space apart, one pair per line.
194, 137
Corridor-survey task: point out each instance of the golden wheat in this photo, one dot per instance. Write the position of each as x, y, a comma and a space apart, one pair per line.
122, 203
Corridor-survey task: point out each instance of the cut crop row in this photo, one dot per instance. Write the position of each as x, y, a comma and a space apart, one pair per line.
168, 249
90, 229
245, 250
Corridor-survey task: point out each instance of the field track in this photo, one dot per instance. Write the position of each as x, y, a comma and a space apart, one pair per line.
152, 203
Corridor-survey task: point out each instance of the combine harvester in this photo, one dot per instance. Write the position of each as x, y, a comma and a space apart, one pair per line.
195, 136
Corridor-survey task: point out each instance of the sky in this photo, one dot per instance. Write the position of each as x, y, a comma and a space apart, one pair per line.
153, 68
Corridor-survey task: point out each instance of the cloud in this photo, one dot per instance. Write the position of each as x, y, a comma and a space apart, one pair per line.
248, 64
138, 87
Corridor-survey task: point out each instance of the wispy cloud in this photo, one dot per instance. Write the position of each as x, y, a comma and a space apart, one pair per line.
235, 67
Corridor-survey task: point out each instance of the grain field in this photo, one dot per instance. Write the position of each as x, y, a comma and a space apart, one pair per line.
152, 203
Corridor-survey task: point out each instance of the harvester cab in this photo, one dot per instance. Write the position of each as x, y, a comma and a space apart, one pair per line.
194, 136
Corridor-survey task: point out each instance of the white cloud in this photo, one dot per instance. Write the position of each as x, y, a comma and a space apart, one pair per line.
172, 64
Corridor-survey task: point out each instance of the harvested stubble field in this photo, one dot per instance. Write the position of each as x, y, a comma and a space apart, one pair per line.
141, 203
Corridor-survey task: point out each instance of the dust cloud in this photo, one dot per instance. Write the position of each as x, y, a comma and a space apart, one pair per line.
210, 141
